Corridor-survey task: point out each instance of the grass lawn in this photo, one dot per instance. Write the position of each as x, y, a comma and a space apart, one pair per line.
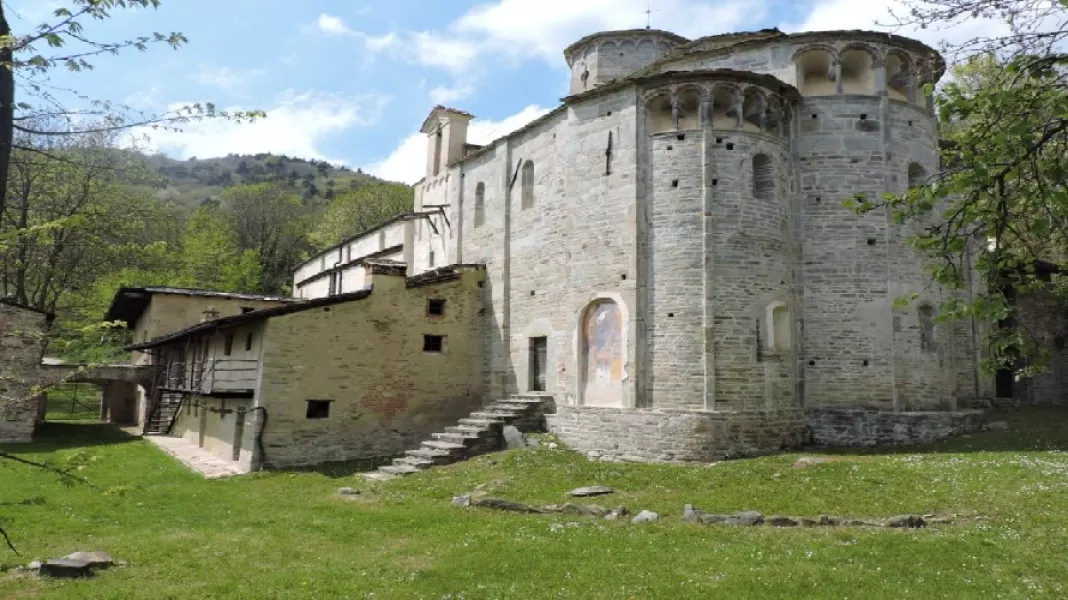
73, 402
288, 535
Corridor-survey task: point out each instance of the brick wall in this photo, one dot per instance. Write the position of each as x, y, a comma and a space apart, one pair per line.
366, 358
22, 341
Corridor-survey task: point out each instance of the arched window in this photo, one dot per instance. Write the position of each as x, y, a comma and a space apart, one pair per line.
898, 80
754, 111
528, 184
658, 114
927, 328
763, 177
816, 73
857, 74
778, 325
480, 204
689, 109
917, 175
437, 151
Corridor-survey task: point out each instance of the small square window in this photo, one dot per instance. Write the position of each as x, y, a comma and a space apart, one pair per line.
433, 343
435, 307
318, 409
228, 344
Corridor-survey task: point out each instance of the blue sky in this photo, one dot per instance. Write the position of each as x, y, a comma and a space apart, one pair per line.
350, 81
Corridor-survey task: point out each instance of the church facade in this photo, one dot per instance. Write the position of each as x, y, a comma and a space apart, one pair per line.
667, 254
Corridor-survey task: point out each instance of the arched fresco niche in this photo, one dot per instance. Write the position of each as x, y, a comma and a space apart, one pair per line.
689, 109
754, 110
857, 74
898, 79
602, 354
658, 114
815, 73
725, 107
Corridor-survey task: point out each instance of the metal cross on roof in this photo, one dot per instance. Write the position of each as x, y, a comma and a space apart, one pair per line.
649, 16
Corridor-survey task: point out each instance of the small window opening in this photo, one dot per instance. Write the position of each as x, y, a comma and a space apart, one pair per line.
811, 363
815, 116
430, 258
433, 343
318, 409
435, 307
927, 328
865, 362
719, 140
674, 183
228, 344
730, 146
246, 309
248, 342
527, 195
671, 315
871, 241
681, 137
763, 177
863, 116
715, 181
669, 147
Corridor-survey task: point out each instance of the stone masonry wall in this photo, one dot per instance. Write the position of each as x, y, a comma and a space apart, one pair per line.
366, 358
857, 427
1043, 318
21, 347
672, 435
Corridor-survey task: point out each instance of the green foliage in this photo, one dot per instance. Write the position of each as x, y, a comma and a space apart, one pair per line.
358, 210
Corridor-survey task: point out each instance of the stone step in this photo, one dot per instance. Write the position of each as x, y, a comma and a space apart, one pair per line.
503, 405
467, 430
378, 476
414, 461
480, 422
439, 445
498, 415
454, 437
528, 398
429, 454
396, 469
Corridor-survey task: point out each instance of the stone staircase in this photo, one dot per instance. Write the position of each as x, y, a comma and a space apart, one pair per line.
478, 433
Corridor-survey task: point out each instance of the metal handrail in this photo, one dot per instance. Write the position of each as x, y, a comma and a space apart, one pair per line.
193, 375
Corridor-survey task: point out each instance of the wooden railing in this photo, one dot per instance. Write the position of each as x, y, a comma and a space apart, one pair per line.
212, 376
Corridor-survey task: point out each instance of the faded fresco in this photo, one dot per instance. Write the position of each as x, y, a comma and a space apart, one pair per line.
602, 338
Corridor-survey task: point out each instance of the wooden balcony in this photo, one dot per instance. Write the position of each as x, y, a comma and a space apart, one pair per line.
214, 377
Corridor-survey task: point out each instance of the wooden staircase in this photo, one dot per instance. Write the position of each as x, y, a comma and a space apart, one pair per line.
159, 422
478, 433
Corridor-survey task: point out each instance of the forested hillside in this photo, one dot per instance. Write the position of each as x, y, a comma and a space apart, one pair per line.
83, 217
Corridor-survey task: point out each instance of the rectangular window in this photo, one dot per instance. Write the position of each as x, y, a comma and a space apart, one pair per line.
434, 343
228, 344
248, 342
430, 258
318, 409
539, 347
435, 307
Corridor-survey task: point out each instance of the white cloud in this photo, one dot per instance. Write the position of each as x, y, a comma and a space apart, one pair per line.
876, 15
295, 126
332, 25
407, 162
447, 95
226, 79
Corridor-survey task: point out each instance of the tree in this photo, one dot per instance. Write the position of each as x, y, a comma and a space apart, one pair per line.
63, 43
271, 222
360, 209
999, 203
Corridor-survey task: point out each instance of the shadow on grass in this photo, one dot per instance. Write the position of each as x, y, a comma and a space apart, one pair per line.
1028, 429
52, 436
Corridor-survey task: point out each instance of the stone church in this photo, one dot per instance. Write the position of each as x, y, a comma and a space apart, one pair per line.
663, 263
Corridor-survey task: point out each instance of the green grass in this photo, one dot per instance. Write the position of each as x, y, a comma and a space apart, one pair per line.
288, 535
73, 402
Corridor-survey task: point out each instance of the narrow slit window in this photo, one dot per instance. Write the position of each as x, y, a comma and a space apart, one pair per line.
228, 344
248, 342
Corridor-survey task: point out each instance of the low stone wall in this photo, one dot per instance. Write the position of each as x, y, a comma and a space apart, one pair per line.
860, 427
675, 435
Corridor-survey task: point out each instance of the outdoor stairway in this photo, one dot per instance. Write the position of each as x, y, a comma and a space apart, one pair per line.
478, 433
160, 421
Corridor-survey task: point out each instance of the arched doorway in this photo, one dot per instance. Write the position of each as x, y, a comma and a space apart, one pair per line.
602, 354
